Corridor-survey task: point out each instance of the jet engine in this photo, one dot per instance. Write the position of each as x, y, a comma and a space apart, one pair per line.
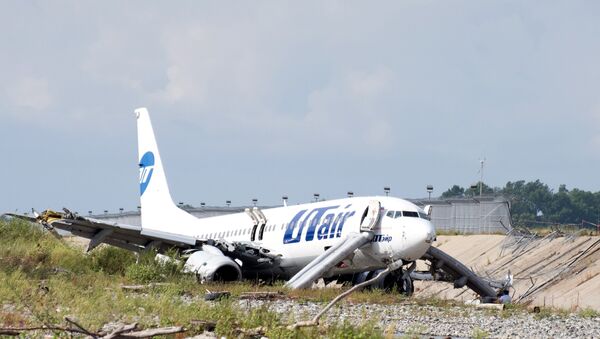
210, 264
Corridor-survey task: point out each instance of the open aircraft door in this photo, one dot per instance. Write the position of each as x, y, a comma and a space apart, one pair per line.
371, 216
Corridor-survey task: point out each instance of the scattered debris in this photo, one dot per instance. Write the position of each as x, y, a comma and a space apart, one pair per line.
142, 287
209, 296
207, 326
315, 321
121, 331
498, 307
321, 284
262, 295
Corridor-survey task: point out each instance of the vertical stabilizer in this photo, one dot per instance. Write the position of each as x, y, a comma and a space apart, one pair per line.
159, 213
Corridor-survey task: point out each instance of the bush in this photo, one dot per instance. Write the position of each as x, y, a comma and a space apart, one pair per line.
15, 229
149, 269
111, 260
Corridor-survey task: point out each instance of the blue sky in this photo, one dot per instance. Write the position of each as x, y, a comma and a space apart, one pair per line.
262, 99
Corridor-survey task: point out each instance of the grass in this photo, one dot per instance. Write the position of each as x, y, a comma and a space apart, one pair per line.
589, 313
45, 279
479, 333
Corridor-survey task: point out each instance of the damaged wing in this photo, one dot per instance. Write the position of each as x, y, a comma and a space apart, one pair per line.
134, 238
120, 235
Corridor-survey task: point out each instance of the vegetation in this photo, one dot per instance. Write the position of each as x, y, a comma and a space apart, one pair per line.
535, 204
45, 279
589, 313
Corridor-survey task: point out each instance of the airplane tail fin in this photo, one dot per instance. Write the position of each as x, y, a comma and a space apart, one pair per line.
159, 212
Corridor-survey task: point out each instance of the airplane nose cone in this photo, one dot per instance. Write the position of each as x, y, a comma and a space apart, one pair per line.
430, 232
419, 240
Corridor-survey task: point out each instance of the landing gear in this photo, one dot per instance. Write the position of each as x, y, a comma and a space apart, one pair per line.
405, 286
398, 280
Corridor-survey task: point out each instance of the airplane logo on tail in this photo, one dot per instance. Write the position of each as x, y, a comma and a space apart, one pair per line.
146, 169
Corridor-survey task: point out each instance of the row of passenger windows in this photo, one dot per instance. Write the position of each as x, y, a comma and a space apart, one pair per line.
235, 233
410, 214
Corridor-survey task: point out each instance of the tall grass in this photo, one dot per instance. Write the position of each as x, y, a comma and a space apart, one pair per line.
44, 279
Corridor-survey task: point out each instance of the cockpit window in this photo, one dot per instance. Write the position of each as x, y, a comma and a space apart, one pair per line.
390, 214
398, 214
410, 214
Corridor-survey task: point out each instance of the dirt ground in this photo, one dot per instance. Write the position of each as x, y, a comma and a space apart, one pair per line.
561, 272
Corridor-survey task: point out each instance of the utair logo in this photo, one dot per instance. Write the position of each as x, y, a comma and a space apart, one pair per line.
146, 169
324, 222
381, 238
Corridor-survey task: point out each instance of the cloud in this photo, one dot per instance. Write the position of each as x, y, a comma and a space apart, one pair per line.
420, 85
351, 109
31, 93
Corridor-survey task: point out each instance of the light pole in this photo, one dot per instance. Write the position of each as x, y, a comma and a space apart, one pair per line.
481, 162
386, 189
254, 201
474, 189
350, 194
228, 202
429, 190
285, 199
316, 195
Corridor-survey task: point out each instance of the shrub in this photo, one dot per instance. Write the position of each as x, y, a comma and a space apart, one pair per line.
111, 260
149, 269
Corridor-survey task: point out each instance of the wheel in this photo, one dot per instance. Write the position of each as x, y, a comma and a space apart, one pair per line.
405, 286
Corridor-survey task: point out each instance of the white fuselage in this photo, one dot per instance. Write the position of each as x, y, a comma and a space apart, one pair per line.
300, 233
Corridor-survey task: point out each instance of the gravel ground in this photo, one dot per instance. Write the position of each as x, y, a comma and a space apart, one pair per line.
453, 321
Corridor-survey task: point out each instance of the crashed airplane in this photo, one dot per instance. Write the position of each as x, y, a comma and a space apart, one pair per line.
354, 237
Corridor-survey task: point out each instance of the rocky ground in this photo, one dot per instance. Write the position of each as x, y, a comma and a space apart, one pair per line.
443, 321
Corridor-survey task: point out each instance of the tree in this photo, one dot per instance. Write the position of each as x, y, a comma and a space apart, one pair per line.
454, 192
535, 201
473, 191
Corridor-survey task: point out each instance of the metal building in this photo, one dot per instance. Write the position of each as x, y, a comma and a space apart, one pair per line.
477, 215
133, 217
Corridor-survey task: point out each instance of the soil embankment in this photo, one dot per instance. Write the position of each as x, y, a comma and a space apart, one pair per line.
562, 272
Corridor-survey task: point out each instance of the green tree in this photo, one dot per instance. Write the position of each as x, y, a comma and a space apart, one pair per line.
473, 191
454, 192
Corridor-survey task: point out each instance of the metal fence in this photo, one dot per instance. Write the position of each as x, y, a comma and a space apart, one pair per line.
479, 215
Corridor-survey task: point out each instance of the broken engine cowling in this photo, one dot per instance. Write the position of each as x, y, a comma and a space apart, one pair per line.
210, 264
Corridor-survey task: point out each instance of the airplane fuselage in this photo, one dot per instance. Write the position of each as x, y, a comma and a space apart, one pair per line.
300, 233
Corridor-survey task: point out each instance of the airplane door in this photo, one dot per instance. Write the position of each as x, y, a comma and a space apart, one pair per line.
371, 216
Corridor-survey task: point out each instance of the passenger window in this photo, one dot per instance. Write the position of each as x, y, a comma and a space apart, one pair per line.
410, 214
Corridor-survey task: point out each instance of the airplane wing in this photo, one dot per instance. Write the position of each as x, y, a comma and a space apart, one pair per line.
134, 238
120, 235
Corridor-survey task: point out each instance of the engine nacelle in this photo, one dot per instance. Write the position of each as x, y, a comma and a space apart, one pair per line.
210, 264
